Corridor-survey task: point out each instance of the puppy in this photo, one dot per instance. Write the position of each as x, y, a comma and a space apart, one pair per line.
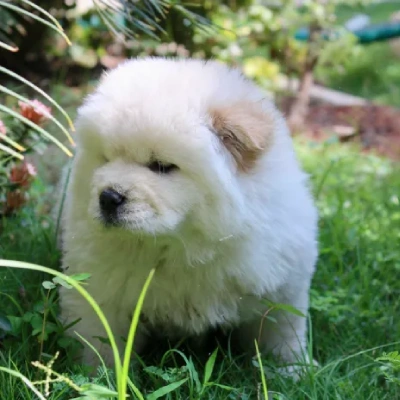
184, 166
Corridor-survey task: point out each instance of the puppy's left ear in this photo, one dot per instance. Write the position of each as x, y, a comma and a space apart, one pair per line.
245, 130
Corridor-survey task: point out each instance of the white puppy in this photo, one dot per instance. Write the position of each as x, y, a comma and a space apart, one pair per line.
185, 167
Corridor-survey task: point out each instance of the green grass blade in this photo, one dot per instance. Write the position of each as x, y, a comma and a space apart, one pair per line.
27, 101
44, 12
166, 389
263, 380
11, 152
97, 354
40, 91
25, 380
12, 142
131, 335
8, 47
35, 17
109, 24
210, 366
134, 389
323, 179
36, 128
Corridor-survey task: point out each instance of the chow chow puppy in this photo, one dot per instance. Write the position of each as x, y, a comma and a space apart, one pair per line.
184, 166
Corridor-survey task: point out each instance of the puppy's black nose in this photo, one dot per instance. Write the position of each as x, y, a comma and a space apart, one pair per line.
110, 200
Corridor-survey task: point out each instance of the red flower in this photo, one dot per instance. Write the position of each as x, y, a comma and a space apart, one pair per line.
3, 129
15, 199
35, 111
23, 174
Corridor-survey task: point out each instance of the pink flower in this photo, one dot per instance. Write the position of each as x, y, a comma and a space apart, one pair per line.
35, 111
23, 174
3, 129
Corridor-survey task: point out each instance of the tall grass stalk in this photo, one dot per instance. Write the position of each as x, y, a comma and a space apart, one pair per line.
121, 370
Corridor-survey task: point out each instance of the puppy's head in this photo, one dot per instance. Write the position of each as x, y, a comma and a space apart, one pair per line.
165, 145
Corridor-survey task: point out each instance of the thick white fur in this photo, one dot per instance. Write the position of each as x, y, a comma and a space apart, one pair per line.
220, 238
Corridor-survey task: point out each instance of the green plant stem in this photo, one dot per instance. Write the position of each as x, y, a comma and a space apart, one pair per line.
44, 325
263, 380
131, 336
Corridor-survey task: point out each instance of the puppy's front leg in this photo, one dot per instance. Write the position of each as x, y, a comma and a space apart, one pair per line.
74, 307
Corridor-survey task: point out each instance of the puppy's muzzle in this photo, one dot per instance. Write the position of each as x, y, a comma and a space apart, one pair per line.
110, 204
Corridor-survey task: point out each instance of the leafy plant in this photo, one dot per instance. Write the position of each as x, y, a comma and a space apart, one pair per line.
390, 366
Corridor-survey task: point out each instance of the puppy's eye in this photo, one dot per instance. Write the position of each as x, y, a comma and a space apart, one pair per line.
162, 168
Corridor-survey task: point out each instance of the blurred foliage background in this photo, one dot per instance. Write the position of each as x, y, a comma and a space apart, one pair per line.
258, 35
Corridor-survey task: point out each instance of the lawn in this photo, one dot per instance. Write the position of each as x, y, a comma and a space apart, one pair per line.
355, 297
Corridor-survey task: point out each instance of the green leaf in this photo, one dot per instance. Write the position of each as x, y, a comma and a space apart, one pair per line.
210, 366
83, 398
80, 277
51, 327
166, 389
224, 387
194, 375
16, 323
103, 339
94, 391
272, 319
65, 342
27, 317
37, 321
48, 285
37, 331
60, 281
39, 307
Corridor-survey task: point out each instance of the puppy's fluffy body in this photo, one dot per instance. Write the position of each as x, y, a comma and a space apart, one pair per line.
234, 222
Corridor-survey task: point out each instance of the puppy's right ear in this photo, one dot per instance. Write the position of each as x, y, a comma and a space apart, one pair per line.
245, 129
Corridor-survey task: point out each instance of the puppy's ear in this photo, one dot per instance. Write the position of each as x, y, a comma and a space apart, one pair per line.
246, 131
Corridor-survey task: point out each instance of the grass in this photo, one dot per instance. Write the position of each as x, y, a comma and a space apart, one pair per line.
354, 299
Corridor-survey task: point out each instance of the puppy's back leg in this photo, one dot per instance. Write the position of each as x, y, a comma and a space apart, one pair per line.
285, 334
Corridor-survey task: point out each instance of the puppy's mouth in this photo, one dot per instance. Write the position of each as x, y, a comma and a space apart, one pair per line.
110, 221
